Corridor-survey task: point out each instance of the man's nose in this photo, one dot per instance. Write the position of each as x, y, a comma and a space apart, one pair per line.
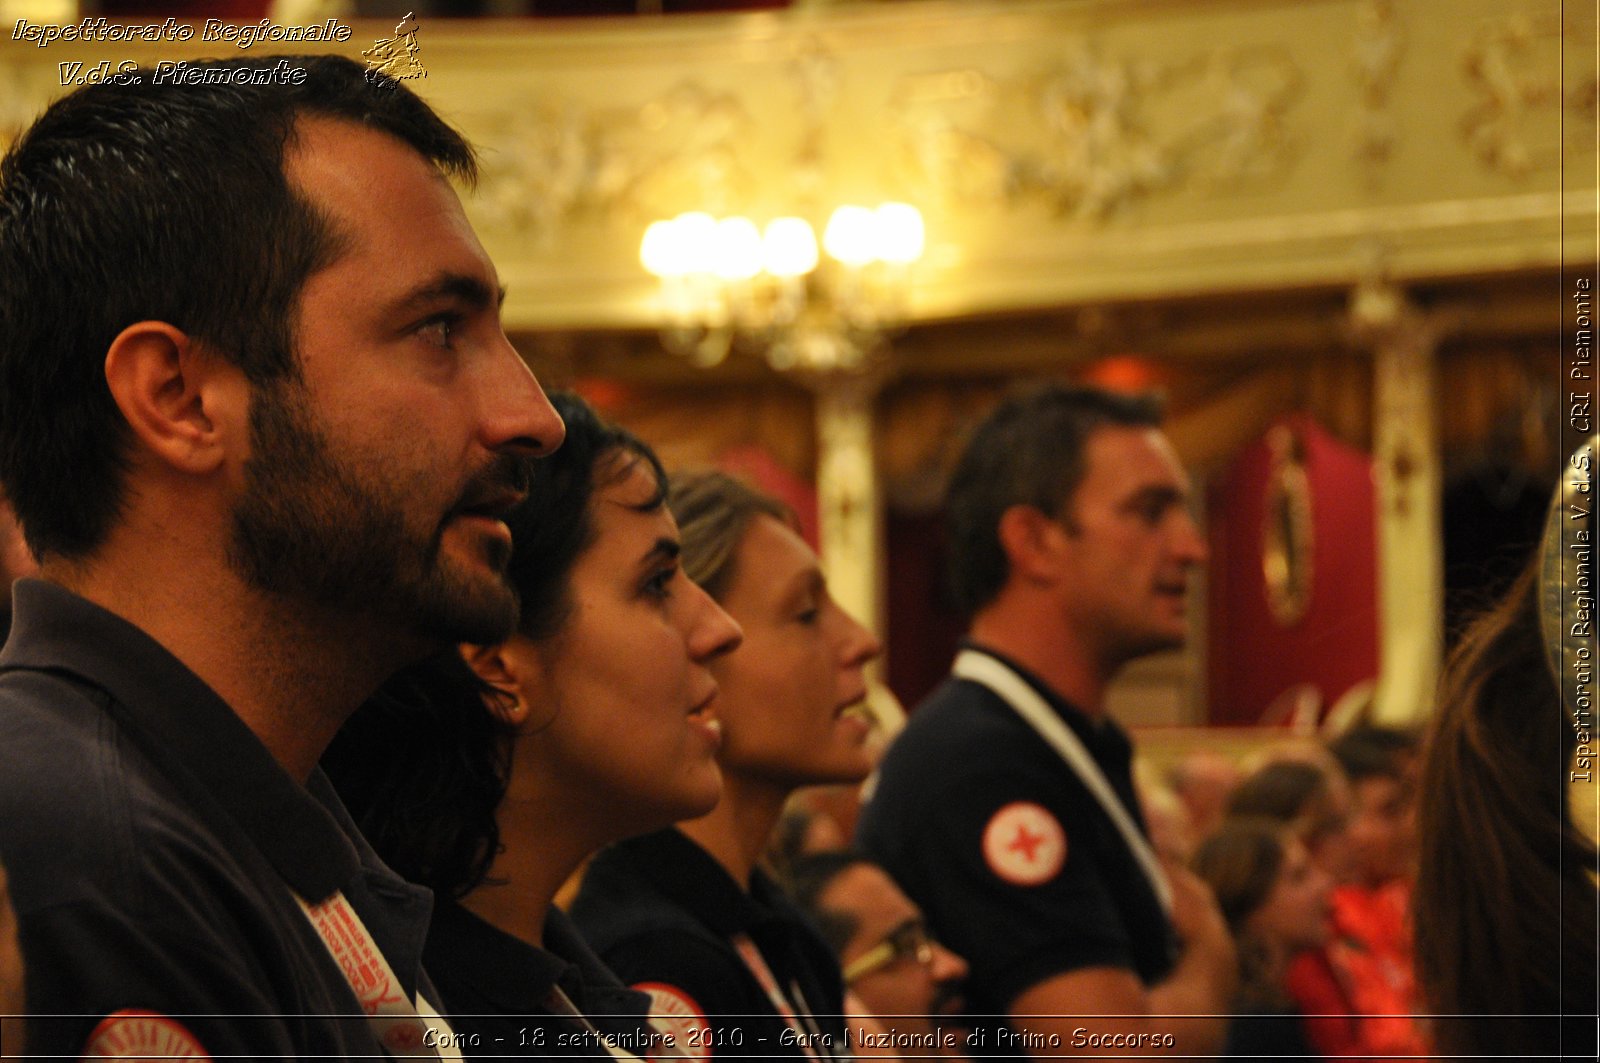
947, 967
517, 415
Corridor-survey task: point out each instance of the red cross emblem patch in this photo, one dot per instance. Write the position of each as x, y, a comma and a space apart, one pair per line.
136, 1034
1024, 844
680, 1019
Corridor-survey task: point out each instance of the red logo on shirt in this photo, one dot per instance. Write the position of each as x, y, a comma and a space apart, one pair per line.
675, 1014
138, 1035
1024, 844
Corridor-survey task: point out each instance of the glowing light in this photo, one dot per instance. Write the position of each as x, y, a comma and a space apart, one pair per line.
789, 247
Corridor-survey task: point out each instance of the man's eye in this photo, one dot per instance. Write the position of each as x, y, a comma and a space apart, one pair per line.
440, 330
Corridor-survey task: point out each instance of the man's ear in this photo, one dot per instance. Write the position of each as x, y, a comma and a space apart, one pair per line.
508, 671
180, 401
1033, 543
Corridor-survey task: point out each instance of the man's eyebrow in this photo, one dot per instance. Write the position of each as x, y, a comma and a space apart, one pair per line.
458, 287
910, 924
1163, 493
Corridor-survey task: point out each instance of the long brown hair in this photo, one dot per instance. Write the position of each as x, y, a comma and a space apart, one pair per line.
1505, 913
1241, 862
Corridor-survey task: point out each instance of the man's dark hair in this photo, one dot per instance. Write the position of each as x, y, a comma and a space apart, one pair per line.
424, 764
1370, 752
809, 877
144, 201
1030, 452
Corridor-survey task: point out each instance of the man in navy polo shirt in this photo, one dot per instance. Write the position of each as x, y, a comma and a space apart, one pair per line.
1006, 808
257, 418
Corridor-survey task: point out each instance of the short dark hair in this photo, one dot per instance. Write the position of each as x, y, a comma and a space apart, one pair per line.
142, 200
424, 764
1029, 451
1373, 752
809, 876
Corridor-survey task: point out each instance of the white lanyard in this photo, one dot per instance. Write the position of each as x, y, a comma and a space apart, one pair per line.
560, 1004
1037, 713
808, 1037
398, 1024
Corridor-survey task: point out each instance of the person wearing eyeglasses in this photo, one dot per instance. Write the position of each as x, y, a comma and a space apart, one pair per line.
908, 984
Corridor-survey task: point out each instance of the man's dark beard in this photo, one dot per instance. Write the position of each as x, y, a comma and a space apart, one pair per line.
310, 528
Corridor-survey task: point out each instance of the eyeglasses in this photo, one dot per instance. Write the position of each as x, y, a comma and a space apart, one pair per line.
907, 941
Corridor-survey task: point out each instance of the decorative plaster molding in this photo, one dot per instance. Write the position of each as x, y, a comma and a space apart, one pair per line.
1105, 131
1379, 46
1512, 68
546, 165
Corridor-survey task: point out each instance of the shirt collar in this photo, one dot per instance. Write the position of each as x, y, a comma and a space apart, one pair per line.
186, 729
516, 977
512, 974
1101, 734
693, 877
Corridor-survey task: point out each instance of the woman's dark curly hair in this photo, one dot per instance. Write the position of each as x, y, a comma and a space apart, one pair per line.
424, 764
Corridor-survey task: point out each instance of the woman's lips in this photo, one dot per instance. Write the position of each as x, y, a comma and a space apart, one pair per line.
703, 720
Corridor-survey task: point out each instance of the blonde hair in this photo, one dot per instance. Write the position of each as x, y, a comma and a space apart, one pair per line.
713, 511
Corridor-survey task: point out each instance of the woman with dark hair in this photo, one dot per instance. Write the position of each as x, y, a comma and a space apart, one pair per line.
1309, 794
491, 775
687, 913
1356, 985
1275, 900
1506, 894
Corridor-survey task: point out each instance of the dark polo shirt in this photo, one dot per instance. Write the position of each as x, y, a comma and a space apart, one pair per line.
962, 799
155, 848
660, 910
497, 991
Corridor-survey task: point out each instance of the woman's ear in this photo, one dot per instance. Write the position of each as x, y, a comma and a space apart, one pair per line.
508, 672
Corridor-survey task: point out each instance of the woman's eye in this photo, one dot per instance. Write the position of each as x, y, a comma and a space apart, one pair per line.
659, 585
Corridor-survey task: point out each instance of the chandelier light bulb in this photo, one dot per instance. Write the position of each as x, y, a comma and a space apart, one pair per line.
659, 252
900, 235
694, 238
789, 248
849, 237
727, 281
738, 249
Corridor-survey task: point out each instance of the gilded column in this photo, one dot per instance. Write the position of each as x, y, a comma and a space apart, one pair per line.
850, 508
1403, 341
